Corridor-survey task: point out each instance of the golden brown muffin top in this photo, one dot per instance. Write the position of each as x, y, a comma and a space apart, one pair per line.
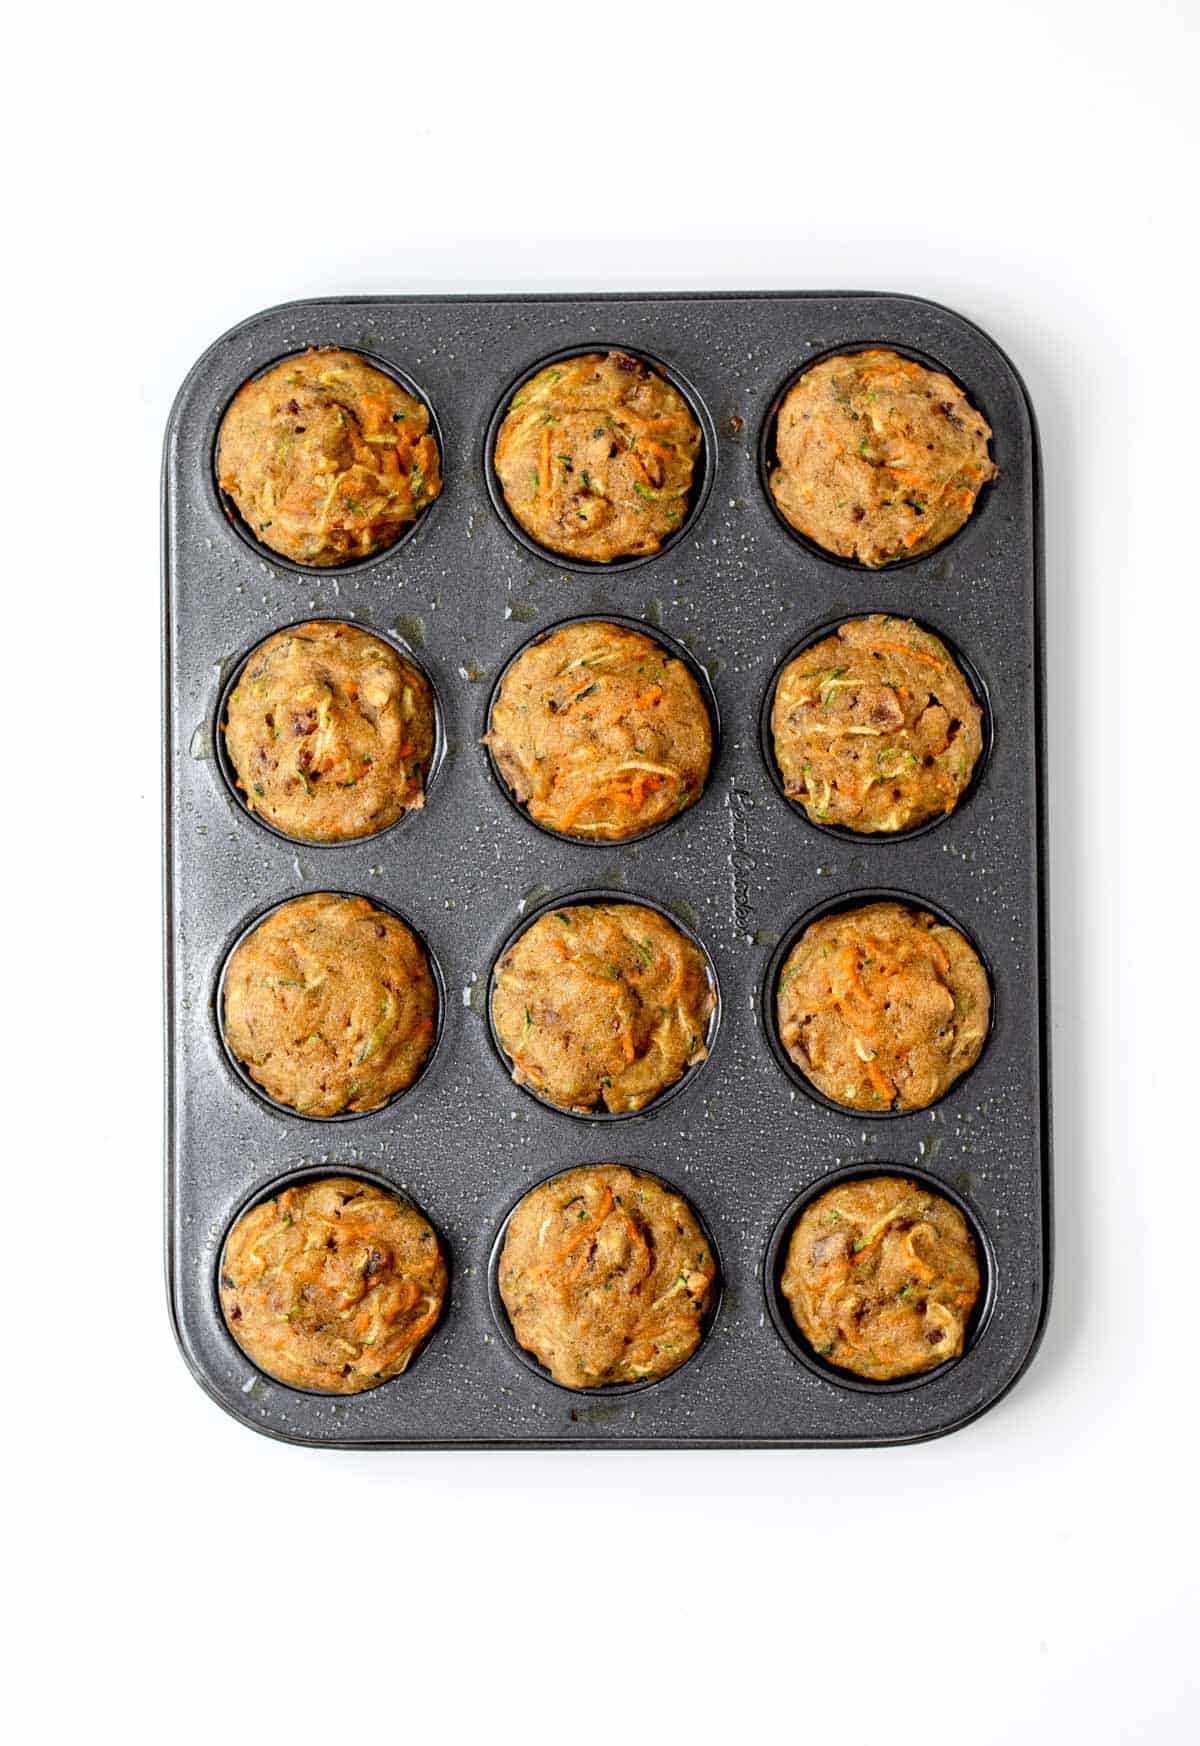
883, 1007
330, 732
600, 733
596, 455
602, 1005
332, 1285
330, 1005
326, 458
875, 728
606, 1277
878, 457
882, 1276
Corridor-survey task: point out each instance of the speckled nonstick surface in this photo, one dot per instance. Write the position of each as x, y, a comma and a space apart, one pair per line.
743, 1142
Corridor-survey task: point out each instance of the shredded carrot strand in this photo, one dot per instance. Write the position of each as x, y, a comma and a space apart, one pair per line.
587, 1235
918, 654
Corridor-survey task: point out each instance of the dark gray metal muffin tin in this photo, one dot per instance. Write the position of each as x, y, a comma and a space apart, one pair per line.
742, 1141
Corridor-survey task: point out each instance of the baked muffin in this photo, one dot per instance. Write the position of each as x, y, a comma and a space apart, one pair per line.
330, 732
878, 458
881, 1276
606, 1277
875, 728
326, 458
596, 455
600, 733
330, 1004
883, 1007
601, 1005
332, 1285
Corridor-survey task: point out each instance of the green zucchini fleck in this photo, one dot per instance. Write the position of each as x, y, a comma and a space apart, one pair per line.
386, 1024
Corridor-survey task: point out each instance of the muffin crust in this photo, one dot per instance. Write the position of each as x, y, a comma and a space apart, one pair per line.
326, 458
330, 1005
595, 457
881, 1277
878, 457
600, 733
332, 1285
606, 1277
883, 1007
875, 728
602, 1005
330, 732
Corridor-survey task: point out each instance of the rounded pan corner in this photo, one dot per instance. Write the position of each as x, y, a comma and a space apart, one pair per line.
975, 333
211, 1390
1006, 1386
199, 1375
248, 324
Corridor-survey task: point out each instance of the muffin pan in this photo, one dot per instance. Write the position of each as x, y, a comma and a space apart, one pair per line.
737, 1136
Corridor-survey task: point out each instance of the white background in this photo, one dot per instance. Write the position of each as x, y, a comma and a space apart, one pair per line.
177, 1578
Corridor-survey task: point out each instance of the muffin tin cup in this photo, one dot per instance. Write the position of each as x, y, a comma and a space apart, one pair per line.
779, 1310
768, 458
702, 479
842, 833
237, 521
677, 652
740, 1140
225, 763
242, 1073
686, 1080
770, 991
606, 1390
297, 1179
